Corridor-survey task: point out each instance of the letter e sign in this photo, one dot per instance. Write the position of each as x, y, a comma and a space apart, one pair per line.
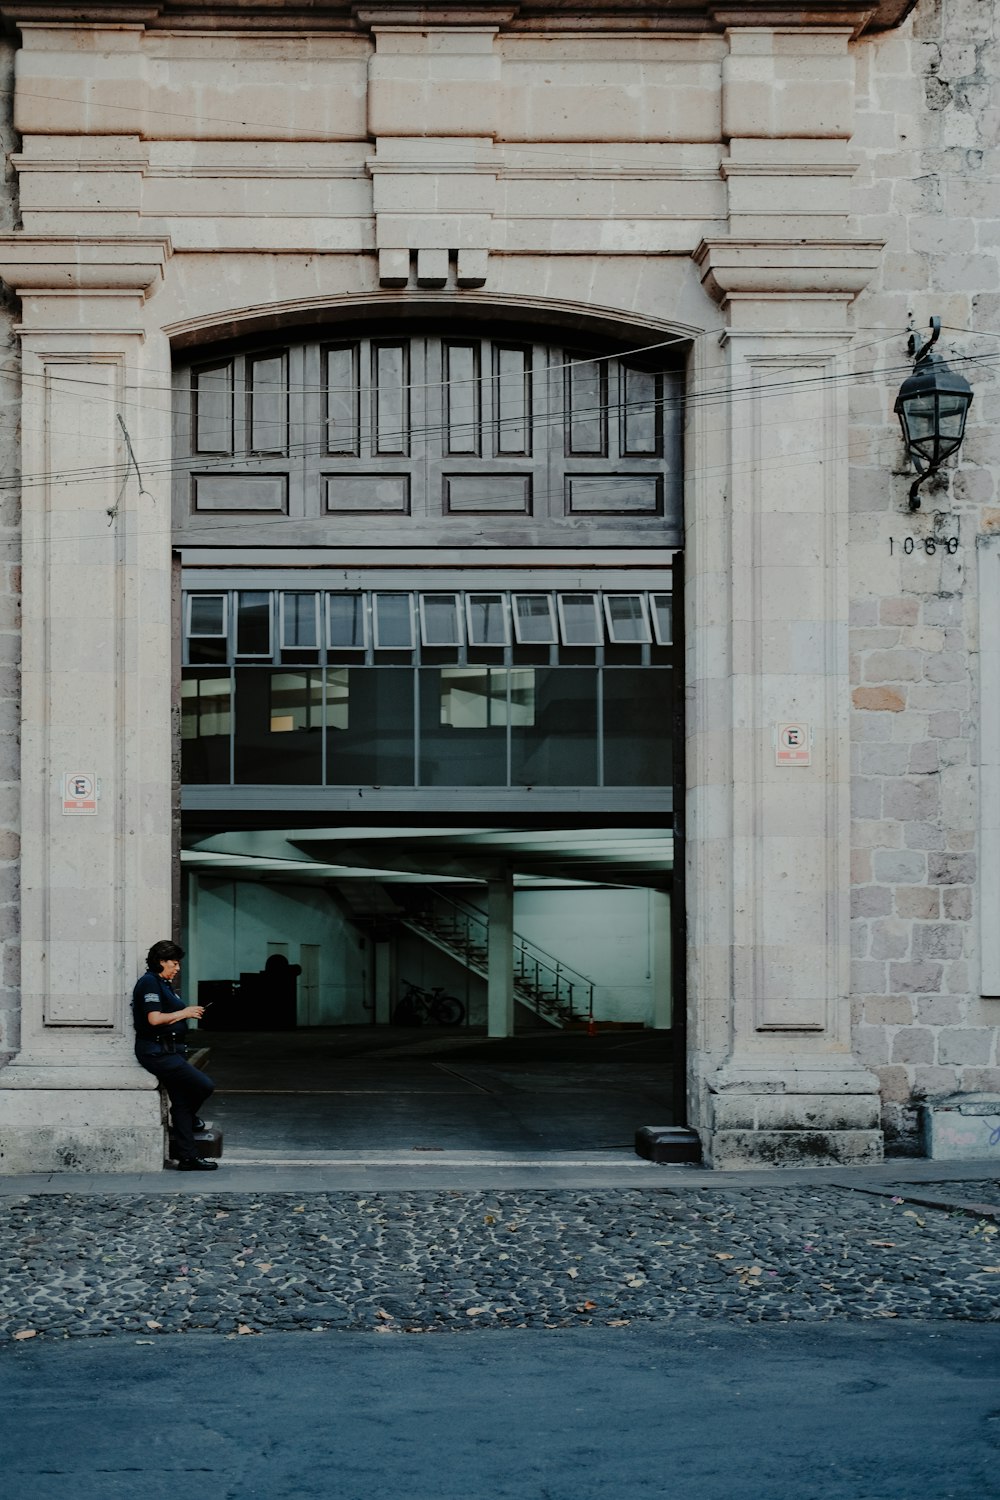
793, 745
80, 793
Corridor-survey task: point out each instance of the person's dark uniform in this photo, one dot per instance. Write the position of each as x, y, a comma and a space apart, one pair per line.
162, 1051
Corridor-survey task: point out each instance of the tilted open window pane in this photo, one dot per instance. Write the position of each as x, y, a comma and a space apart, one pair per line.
393, 622
488, 622
299, 622
534, 620
579, 620
663, 618
628, 622
207, 616
440, 620
253, 624
347, 622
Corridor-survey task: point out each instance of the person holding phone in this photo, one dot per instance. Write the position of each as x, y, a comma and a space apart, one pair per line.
161, 1018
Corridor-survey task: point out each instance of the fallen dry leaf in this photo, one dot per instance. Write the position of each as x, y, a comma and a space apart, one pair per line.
264, 1265
992, 1268
828, 1286
245, 1328
618, 1322
152, 1323
908, 1213
722, 1255
387, 1316
474, 1312
26, 1333
883, 1244
573, 1273
588, 1306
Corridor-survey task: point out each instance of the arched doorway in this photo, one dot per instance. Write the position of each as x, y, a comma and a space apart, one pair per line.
429, 678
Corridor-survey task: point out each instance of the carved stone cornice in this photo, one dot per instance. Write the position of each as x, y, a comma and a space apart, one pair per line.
521, 15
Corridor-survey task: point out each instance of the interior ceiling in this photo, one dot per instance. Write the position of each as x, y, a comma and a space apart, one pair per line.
605, 856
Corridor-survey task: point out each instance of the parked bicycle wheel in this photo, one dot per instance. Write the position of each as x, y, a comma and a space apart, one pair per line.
447, 1010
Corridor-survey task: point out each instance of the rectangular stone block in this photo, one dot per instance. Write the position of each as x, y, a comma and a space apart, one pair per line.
962, 1128
733, 1149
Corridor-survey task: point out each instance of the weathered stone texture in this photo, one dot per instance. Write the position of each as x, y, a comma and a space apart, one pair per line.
927, 96
10, 600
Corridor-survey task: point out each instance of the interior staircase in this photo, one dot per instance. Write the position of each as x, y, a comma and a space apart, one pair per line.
543, 984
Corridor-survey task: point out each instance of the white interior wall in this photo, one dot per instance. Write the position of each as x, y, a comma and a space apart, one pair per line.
610, 936
240, 922
421, 962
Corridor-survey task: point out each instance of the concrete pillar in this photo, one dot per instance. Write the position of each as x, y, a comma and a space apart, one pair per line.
382, 975
500, 956
660, 945
192, 944
96, 704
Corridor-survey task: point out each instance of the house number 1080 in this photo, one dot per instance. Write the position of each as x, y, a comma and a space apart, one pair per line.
929, 544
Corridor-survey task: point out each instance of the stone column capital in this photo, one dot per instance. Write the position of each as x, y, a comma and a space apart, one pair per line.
735, 269
60, 263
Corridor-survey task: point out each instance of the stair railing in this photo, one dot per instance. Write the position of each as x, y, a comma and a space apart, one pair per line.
540, 979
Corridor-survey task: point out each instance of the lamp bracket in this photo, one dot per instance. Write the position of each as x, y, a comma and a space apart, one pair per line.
919, 349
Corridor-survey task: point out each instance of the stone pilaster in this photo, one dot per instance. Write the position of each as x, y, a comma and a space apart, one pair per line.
96, 702
769, 842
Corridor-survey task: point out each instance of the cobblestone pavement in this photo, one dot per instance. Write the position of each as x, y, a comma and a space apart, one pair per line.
445, 1260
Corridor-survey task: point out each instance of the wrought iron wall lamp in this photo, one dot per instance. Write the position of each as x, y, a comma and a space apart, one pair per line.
932, 406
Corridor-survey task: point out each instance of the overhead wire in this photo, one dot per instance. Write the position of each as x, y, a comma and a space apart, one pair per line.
539, 420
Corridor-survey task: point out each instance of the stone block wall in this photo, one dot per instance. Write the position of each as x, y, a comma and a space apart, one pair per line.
10, 597
928, 112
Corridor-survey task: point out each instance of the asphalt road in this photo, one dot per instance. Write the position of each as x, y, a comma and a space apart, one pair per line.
847, 1411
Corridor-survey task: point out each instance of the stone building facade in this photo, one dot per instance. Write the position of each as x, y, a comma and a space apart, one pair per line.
775, 192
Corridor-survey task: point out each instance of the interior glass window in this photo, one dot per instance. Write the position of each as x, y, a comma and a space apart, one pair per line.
579, 620
534, 620
637, 747
440, 620
279, 715
663, 618
369, 731
488, 622
463, 726
555, 742
299, 621
627, 619
347, 622
207, 615
393, 622
206, 725
253, 623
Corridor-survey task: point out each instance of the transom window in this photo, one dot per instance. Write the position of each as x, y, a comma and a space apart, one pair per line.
311, 627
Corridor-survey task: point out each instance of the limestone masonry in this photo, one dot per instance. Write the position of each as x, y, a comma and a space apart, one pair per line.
777, 193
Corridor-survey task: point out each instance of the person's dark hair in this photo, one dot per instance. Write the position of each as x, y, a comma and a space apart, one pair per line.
162, 953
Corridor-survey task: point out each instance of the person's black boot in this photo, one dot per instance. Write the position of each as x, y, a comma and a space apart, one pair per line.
199, 1123
196, 1164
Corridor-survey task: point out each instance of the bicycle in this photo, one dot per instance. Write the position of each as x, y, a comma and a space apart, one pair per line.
418, 1005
